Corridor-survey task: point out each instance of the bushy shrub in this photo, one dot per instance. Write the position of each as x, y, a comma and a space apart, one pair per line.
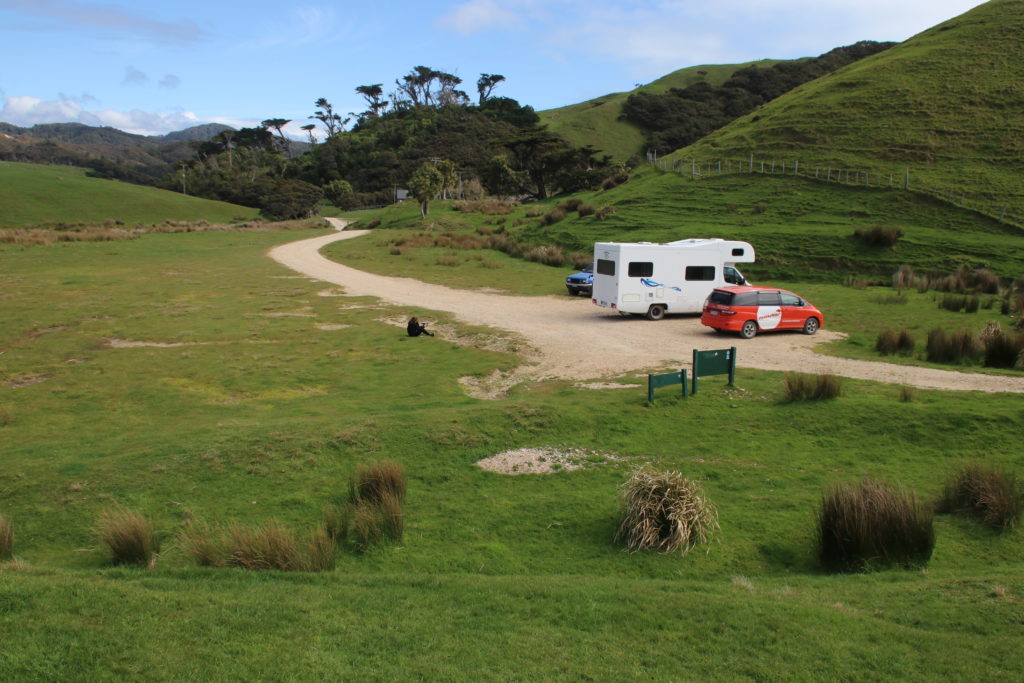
950, 348
489, 207
880, 236
6, 538
872, 524
890, 342
992, 495
803, 387
129, 536
664, 511
570, 204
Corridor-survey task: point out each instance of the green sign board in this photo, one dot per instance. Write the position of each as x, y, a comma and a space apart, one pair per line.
666, 380
720, 362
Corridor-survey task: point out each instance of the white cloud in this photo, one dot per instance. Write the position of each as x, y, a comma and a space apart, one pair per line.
170, 81
118, 21
475, 16
306, 25
26, 111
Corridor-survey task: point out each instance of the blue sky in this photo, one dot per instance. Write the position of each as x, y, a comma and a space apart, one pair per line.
151, 68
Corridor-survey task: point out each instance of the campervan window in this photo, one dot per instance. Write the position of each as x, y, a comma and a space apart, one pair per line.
605, 267
700, 273
738, 251
641, 269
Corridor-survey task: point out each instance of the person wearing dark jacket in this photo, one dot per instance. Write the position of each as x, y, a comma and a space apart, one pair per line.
415, 328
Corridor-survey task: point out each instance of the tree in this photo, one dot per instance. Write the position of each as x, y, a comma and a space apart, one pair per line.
278, 125
449, 176
333, 123
339, 193
290, 199
309, 128
374, 95
485, 84
499, 179
425, 183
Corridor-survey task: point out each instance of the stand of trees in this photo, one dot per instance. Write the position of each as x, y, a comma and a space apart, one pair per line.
684, 115
426, 126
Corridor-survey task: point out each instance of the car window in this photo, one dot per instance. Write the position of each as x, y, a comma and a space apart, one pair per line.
745, 299
720, 297
768, 299
790, 299
641, 269
700, 273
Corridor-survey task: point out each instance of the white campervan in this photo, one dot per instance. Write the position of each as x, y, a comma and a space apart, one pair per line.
653, 279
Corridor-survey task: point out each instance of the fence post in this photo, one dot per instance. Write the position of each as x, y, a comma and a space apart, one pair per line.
751, 170
906, 178
829, 178
796, 167
762, 167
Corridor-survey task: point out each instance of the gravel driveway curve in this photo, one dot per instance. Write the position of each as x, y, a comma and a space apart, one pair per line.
572, 339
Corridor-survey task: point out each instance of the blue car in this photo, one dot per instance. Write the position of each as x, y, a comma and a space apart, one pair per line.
581, 282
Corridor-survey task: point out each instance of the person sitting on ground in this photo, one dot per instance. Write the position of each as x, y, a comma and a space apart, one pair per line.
415, 328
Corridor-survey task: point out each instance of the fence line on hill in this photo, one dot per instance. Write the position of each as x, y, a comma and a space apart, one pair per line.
869, 178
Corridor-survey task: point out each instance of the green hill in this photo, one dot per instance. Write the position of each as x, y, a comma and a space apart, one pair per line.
947, 105
596, 122
32, 194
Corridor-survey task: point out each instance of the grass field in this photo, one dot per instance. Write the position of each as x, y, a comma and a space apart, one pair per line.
276, 391
596, 122
33, 194
945, 104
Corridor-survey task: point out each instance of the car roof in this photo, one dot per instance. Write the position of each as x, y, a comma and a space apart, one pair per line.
739, 289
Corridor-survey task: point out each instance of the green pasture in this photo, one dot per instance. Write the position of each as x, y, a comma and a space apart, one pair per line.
34, 194
251, 393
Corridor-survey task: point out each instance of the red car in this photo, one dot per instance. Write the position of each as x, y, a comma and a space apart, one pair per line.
749, 310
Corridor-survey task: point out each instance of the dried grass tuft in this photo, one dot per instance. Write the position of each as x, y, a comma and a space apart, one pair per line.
992, 495
271, 545
129, 536
664, 511
6, 538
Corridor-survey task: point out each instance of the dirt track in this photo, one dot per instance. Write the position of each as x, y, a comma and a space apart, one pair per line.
572, 339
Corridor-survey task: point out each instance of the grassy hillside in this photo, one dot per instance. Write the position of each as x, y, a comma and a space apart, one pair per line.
947, 104
596, 122
253, 395
32, 194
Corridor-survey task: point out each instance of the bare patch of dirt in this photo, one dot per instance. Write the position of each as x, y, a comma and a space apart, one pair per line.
544, 460
287, 314
25, 380
331, 328
605, 385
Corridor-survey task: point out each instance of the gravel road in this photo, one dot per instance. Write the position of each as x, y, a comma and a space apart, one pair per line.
572, 339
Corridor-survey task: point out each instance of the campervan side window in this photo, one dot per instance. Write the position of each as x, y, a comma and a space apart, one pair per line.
605, 267
700, 273
641, 269
738, 251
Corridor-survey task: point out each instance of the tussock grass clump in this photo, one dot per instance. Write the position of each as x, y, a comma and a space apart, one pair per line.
549, 255
907, 394
804, 387
585, 210
6, 538
374, 481
204, 545
891, 342
605, 212
990, 494
950, 348
489, 207
878, 236
270, 545
664, 511
129, 536
553, 216
570, 204
321, 550
505, 244
872, 524
1001, 349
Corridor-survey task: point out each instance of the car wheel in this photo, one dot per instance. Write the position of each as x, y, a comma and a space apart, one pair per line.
811, 326
656, 312
748, 330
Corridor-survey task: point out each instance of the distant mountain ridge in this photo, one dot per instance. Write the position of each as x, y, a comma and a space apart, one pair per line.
82, 134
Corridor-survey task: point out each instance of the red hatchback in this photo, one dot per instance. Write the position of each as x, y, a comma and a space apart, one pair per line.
749, 310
